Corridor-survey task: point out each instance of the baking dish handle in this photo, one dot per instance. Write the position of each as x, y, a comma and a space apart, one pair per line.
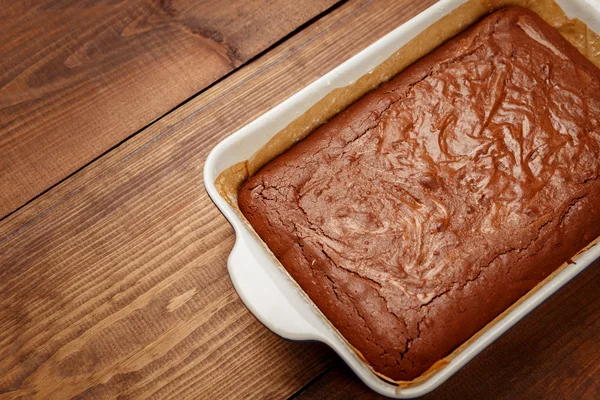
261, 286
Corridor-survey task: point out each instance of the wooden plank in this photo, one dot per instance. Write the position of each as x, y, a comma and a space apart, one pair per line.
76, 78
552, 353
114, 282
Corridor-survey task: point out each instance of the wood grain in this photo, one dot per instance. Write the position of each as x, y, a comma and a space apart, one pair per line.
114, 281
78, 77
552, 353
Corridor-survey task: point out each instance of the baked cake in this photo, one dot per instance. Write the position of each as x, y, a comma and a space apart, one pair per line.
429, 206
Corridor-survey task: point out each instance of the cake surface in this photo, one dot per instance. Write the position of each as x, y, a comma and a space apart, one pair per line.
432, 204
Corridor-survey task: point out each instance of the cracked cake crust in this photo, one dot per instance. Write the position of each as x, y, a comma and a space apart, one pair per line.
432, 204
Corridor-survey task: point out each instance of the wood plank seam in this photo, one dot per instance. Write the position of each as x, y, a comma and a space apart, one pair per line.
163, 16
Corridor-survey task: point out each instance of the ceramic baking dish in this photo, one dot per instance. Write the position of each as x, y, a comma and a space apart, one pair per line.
272, 295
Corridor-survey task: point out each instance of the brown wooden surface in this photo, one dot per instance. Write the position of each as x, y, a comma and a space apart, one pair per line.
78, 77
114, 282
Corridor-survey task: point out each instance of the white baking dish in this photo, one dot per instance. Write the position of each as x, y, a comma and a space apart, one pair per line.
266, 288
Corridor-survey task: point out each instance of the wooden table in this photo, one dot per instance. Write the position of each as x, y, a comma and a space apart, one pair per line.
113, 276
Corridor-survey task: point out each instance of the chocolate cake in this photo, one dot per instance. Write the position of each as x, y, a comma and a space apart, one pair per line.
429, 206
